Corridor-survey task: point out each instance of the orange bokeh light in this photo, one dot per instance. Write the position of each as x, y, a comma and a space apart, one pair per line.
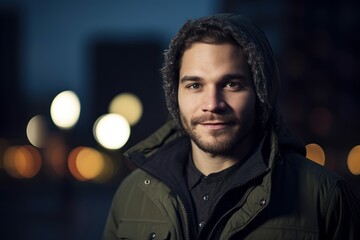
22, 161
353, 160
315, 153
72, 163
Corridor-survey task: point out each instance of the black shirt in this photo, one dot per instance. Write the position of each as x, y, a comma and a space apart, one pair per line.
206, 191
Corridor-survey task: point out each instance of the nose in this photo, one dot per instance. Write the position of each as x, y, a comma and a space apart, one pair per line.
213, 100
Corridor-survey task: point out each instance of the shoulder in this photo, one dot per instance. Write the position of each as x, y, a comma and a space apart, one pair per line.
132, 192
309, 181
134, 177
337, 200
139, 185
132, 182
313, 188
139, 179
309, 170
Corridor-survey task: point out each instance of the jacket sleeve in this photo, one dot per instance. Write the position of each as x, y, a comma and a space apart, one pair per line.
343, 213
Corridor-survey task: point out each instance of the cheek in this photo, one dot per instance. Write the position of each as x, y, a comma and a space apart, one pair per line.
186, 104
185, 112
180, 101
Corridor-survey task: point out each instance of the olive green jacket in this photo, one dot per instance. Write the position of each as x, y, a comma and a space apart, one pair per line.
289, 197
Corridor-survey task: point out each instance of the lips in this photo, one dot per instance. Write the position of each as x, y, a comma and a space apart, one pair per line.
215, 125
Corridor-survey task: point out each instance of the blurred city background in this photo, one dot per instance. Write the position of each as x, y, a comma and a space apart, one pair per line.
80, 84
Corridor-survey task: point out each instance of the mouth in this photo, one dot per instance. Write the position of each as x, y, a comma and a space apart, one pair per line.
215, 125
214, 122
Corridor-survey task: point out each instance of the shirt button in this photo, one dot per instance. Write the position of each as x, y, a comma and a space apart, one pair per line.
206, 197
202, 224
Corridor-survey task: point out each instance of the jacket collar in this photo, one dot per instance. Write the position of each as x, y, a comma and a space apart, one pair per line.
165, 157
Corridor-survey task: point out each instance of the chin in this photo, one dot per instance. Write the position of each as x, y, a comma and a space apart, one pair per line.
219, 145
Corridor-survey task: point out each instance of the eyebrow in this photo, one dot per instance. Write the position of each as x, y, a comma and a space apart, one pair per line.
230, 76
190, 78
226, 77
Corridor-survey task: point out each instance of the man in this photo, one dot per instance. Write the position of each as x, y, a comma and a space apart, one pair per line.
225, 167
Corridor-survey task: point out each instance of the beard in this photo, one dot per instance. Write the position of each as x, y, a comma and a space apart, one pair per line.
221, 141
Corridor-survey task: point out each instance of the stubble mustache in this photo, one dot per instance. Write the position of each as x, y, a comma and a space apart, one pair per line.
225, 118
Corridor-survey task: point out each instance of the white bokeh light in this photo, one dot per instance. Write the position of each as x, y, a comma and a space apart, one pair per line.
112, 131
36, 131
65, 109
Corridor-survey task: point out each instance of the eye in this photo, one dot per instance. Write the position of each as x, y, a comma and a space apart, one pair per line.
193, 86
234, 85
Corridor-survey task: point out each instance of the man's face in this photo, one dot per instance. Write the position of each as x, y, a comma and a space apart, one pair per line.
216, 96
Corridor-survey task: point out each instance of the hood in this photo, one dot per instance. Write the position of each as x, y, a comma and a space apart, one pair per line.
256, 48
265, 75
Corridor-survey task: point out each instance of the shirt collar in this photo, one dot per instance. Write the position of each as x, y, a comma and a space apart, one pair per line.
237, 174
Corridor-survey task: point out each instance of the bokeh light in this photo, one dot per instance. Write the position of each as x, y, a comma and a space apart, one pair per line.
9, 161
36, 131
127, 105
111, 131
22, 161
86, 163
315, 153
65, 109
90, 163
353, 160
72, 163
4, 144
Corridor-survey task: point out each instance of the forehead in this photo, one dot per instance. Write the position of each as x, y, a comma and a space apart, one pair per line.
224, 56
204, 47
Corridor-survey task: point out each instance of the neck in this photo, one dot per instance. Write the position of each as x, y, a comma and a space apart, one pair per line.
208, 163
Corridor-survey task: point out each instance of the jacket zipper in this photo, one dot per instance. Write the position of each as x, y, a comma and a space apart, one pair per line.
188, 232
182, 205
186, 218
